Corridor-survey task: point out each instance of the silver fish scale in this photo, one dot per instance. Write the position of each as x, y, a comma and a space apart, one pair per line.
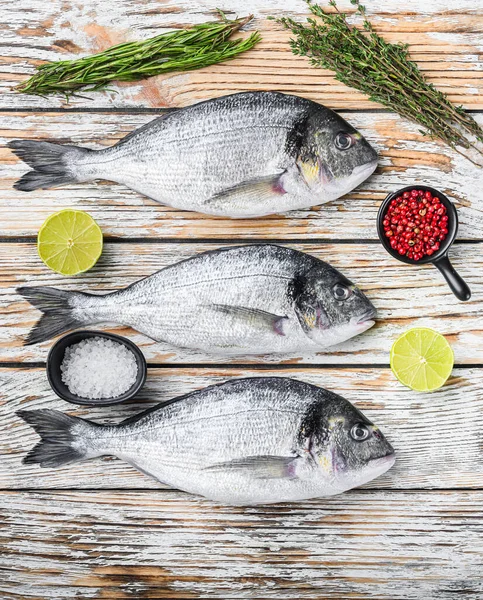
237, 419
245, 155
246, 441
179, 442
185, 158
179, 304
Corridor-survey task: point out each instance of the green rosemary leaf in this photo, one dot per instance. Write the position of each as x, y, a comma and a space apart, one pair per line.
180, 50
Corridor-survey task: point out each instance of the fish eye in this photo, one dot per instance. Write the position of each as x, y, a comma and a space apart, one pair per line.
360, 432
341, 292
343, 141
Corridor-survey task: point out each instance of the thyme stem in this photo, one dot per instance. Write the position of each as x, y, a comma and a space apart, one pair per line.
362, 59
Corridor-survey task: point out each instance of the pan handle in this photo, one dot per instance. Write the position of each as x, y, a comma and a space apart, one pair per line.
455, 282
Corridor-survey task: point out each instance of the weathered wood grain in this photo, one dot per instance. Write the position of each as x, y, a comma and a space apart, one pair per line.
437, 436
446, 46
362, 545
406, 158
405, 296
375, 543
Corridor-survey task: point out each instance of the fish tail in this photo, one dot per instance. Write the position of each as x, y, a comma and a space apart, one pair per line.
64, 439
53, 164
59, 309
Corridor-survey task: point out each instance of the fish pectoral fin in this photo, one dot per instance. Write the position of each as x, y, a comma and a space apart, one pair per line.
250, 191
273, 322
260, 467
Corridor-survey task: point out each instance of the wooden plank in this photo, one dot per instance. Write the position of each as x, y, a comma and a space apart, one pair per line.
397, 546
406, 158
447, 46
405, 296
437, 437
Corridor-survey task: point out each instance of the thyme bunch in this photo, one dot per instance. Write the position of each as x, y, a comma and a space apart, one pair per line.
180, 50
363, 60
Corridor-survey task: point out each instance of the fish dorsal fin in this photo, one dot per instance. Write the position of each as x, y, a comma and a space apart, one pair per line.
269, 320
259, 467
147, 126
159, 406
249, 192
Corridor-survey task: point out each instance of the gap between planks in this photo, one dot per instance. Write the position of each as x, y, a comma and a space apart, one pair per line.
151, 110
221, 241
241, 366
169, 491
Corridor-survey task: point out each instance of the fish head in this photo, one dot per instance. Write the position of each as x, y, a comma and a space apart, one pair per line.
333, 157
348, 450
330, 308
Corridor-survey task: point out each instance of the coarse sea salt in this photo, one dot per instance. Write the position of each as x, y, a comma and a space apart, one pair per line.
98, 368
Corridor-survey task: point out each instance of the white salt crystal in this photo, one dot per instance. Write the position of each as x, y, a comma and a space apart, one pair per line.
98, 368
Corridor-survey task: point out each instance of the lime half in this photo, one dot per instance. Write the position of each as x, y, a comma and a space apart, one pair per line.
70, 242
422, 359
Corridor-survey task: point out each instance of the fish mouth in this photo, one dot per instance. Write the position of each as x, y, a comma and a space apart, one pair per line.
384, 461
366, 320
336, 187
363, 171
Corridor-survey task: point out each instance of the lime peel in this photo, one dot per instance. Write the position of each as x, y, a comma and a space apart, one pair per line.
70, 242
422, 359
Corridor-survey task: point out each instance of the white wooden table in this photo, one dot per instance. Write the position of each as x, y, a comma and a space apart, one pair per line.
103, 530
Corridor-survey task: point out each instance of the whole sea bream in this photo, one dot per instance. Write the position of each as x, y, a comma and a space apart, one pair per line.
243, 155
246, 441
255, 299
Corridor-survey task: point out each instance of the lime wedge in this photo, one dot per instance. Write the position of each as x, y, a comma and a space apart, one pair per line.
422, 359
70, 242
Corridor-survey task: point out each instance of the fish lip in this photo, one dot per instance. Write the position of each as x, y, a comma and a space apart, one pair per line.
387, 459
367, 318
366, 324
369, 167
384, 462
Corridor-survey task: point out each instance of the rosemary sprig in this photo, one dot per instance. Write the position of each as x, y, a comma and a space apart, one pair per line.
362, 59
180, 50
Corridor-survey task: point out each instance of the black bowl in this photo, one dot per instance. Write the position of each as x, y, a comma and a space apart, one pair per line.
440, 257
56, 356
